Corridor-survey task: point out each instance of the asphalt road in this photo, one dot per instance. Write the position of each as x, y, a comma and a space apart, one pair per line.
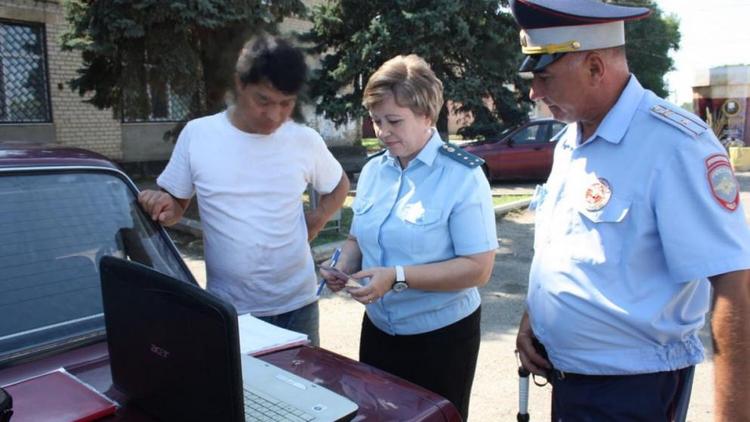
495, 391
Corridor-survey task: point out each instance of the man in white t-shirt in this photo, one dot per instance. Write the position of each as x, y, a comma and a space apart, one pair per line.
249, 166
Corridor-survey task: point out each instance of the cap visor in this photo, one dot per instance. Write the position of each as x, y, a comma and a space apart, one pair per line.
538, 62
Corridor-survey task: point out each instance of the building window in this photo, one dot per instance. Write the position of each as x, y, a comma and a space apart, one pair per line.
164, 105
24, 91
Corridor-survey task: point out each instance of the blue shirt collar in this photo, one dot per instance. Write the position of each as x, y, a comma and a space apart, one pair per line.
614, 125
612, 129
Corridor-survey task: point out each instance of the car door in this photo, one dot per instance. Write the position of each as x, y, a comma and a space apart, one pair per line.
525, 154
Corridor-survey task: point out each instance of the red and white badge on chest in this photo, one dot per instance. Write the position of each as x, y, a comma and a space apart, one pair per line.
722, 181
597, 195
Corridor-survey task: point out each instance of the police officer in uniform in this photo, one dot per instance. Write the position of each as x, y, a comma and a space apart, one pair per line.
640, 217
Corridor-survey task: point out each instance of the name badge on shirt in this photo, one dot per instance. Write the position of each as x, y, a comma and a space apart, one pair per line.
413, 213
597, 195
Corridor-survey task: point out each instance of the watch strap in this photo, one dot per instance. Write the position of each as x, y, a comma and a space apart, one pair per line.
400, 276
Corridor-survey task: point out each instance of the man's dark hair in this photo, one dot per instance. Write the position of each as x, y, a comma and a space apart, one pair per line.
273, 59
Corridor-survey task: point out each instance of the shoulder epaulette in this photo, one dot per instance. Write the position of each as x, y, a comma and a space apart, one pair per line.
682, 120
457, 154
377, 154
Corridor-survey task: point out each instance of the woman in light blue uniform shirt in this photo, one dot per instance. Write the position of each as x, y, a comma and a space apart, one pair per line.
422, 239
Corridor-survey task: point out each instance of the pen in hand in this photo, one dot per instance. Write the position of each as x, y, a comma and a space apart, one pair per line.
334, 260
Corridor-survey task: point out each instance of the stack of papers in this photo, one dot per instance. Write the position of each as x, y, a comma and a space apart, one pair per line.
258, 337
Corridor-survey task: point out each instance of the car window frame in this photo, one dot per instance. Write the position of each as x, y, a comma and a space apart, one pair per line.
554, 135
541, 129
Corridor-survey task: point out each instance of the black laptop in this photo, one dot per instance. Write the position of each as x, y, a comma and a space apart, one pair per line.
174, 351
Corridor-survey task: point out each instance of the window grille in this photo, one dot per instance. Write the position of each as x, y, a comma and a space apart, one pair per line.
24, 89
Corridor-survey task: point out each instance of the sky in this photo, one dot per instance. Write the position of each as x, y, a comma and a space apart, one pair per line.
714, 33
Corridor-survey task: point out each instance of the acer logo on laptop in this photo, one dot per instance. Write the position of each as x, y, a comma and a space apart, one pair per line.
159, 351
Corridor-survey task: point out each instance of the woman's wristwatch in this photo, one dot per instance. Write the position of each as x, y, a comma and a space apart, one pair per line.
400, 284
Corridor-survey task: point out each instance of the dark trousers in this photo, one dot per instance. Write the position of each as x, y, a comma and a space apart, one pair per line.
442, 361
643, 397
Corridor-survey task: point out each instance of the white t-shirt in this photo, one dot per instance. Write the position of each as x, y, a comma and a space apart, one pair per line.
249, 189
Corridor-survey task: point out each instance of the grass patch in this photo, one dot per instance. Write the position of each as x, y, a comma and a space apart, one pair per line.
372, 145
331, 235
504, 199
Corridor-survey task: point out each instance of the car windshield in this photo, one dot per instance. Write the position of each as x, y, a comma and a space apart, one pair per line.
54, 229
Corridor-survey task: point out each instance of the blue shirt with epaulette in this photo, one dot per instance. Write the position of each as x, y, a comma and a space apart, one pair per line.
618, 283
438, 208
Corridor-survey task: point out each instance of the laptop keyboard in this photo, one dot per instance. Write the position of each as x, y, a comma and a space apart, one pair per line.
260, 409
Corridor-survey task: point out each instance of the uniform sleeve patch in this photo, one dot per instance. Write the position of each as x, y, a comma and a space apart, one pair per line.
456, 153
724, 187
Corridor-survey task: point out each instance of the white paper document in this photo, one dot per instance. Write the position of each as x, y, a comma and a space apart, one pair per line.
258, 337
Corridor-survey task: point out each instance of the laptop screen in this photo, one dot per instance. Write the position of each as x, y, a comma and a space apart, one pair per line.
173, 348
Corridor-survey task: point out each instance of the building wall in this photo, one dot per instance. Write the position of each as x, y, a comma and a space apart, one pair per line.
342, 135
74, 122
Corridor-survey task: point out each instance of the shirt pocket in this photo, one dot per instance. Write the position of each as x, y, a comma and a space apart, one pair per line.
363, 222
426, 231
361, 206
597, 236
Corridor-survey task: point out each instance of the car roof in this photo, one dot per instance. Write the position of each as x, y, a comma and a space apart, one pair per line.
27, 155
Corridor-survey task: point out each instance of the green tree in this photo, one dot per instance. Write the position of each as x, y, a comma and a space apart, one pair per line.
471, 45
649, 42
132, 46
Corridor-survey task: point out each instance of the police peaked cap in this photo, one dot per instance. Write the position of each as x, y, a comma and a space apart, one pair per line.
551, 28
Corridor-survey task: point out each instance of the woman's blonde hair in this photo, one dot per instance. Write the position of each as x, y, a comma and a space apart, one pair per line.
412, 84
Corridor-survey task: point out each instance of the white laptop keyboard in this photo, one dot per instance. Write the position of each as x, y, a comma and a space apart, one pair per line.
260, 409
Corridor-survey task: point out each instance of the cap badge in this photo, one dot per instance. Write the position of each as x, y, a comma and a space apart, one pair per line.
597, 195
722, 181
